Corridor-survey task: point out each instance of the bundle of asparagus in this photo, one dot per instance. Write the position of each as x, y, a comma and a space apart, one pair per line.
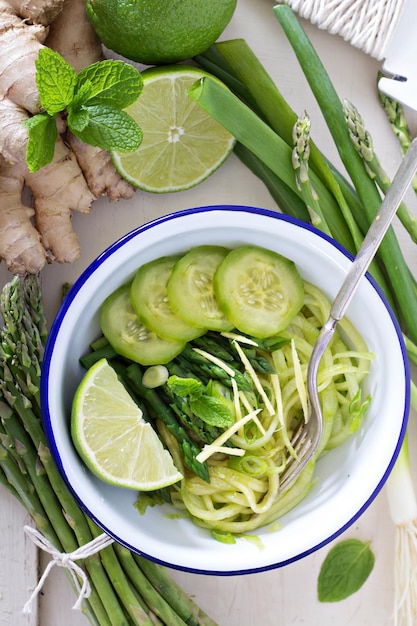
126, 589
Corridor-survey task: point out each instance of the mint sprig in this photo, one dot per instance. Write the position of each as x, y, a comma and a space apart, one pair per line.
209, 409
92, 101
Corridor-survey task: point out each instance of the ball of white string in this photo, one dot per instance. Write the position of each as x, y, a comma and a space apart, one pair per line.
365, 24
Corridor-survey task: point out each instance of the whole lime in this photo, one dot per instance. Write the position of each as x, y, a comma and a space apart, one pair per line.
159, 31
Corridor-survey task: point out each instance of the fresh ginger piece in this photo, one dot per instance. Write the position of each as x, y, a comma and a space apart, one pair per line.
62, 181
20, 242
99, 171
57, 235
37, 11
13, 134
20, 45
79, 46
59, 188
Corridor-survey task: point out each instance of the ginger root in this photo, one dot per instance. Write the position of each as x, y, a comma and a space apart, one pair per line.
37, 13
58, 189
79, 46
99, 171
34, 235
20, 243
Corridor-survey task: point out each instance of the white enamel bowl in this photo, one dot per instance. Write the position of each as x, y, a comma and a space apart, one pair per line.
348, 478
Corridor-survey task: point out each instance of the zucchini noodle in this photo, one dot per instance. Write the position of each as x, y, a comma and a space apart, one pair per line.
243, 491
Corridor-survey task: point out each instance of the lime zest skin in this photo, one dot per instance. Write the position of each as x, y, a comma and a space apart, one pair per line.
155, 32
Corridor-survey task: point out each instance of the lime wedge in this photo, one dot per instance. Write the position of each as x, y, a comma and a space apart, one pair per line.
113, 439
182, 145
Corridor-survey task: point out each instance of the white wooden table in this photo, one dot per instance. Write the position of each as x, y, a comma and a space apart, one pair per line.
283, 596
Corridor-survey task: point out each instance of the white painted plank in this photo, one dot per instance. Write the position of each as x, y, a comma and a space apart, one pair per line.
19, 564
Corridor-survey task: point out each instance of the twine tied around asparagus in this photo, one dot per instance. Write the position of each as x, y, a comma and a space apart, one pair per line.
68, 560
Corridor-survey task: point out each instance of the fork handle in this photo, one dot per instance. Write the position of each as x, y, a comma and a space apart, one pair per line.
376, 232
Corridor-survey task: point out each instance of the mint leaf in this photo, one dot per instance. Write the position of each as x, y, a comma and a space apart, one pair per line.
77, 120
81, 95
344, 570
108, 128
42, 134
212, 411
114, 83
56, 81
183, 387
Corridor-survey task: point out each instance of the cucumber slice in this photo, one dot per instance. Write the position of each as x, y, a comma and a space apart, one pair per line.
258, 290
190, 288
129, 337
149, 299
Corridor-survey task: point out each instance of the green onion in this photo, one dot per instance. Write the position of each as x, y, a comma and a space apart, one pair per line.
403, 509
155, 376
402, 284
249, 464
272, 106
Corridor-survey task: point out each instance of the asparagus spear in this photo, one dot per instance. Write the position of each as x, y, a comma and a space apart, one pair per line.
195, 359
300, 158
192, 614
362, 141
222, 347
397, 119
29, 473
163, 596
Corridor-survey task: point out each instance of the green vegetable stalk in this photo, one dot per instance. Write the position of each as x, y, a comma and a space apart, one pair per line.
259, 91
300, 159
126, 590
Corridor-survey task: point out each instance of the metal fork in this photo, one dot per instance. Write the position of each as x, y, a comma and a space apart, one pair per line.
307, 437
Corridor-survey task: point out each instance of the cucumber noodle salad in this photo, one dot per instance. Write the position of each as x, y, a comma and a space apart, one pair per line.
214, 345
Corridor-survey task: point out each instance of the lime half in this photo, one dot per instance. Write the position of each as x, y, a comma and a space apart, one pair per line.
182, 145
112, 437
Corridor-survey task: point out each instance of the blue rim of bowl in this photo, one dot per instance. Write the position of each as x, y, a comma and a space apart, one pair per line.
54, 331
